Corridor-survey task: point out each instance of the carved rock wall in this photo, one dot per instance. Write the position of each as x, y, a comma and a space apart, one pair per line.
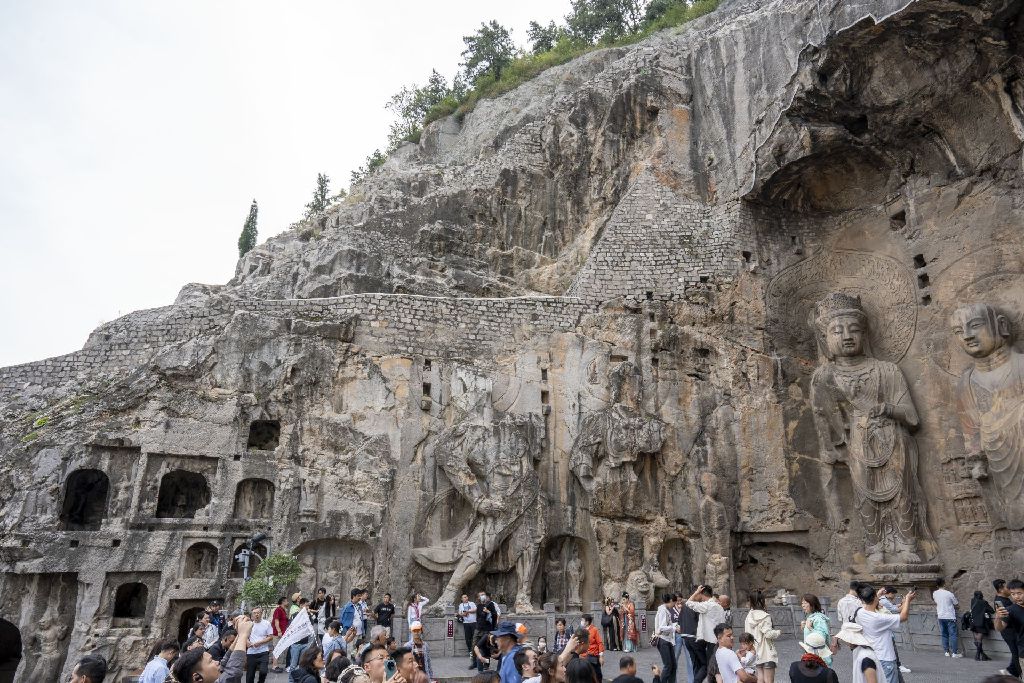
560, 349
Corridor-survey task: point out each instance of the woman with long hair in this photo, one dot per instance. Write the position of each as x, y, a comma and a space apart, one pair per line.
552, 670
759, 625
327, 611
630, 633
981, 618
816, 621
308, 670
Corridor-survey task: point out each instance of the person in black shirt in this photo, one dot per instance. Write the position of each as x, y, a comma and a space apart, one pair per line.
223, 646
1003, 598
486, 619
384, 612
627, 671
484, 650
1011, 618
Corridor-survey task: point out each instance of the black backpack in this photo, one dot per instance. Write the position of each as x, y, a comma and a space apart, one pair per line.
966, 621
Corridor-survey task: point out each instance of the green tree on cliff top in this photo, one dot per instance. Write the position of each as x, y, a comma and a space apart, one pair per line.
247, 240
488, 51
320, 197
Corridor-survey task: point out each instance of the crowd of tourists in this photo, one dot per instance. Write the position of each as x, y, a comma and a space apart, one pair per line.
317, 640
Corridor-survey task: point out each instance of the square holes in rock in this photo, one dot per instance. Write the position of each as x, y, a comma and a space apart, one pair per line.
923, 281
427, 365
898, 220
264, 435
543, 374
426, 389
116, 542
919, 261
74, 544
544, 398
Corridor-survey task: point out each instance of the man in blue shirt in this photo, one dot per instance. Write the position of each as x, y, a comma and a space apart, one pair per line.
350, 611
159, 667
508, 645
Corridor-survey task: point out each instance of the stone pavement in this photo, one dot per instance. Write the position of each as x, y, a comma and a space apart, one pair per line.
928, 667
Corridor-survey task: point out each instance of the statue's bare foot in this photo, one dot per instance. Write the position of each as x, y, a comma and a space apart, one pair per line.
439, 608
525, 606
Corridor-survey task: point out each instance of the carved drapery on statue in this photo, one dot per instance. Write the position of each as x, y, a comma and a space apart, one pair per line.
612, 438
990, 401
863, 413
490, 459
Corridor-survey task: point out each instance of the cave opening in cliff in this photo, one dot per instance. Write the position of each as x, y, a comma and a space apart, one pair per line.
10, 650
264, 435
182, 494
254, 499
130, 601
85, 500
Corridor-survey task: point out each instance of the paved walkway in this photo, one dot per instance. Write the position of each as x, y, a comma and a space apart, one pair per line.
928, 667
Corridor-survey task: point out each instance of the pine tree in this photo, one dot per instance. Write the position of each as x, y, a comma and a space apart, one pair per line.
320, 194
247, 240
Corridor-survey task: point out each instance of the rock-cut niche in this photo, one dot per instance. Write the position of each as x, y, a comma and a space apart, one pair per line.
200, 561
10, 650
182, 494
264, 435
85, 500
254, 499
130, 601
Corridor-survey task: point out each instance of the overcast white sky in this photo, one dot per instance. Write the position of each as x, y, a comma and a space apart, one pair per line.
134, 134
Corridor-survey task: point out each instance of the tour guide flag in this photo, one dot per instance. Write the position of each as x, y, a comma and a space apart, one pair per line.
297, 630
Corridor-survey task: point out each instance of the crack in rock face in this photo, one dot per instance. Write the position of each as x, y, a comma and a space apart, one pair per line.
739, 305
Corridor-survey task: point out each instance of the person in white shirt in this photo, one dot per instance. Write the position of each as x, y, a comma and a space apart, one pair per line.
414, 608
945, 609
665, 629
212, 634
467, 615
865, 661
159, 667
879, 629
710, 614
848, 604
257, 655
729, 665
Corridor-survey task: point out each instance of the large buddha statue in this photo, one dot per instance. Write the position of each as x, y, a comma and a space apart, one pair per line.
864, 416
991, 406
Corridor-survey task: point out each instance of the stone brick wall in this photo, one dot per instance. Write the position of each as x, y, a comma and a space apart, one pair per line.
392, 323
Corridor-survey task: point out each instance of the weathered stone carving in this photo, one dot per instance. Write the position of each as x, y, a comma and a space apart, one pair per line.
885, 287
863, 413
574, 574
490, 459
46, 650
616, 436
990, 401
714, 523
309, 500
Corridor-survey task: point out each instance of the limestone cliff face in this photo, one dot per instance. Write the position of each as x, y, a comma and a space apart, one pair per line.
561, 348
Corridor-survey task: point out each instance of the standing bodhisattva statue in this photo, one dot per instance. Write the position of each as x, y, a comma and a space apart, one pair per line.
863, 413
990, 399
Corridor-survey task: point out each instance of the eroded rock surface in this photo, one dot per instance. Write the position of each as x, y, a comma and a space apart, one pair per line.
570, 339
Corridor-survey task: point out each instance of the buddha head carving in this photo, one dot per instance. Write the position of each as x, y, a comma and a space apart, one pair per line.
980, 329
842, 325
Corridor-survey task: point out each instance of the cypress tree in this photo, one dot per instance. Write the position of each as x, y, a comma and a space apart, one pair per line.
320, 201
247, 240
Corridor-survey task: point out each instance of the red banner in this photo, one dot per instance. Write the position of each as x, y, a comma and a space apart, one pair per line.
643, 623
451, 628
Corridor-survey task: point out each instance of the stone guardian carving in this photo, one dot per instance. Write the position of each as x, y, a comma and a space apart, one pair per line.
864, 415
990, 402
491, 460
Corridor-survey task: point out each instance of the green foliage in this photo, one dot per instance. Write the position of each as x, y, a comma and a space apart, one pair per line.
488, 52
372, 163
41, 422
412, 104
605, 21
31, 436
247, 240
270, 579
543, 38
320, 197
